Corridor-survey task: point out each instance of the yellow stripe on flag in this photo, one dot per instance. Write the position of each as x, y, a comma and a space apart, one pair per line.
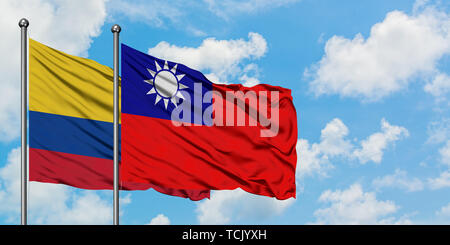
69, 85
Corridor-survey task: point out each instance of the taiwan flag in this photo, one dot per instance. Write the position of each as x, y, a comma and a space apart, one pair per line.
181, 131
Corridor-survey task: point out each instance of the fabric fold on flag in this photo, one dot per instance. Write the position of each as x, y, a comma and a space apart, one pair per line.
182, 131
71, 123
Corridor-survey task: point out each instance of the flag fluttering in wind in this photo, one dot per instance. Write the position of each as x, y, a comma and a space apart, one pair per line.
70, 120
181, 131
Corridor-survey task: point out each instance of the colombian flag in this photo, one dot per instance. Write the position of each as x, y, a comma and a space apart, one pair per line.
71, 123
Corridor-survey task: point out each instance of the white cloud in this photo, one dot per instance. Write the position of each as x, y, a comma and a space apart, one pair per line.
250, 74
220, 58
65, 25
399, 180
372, 148
402, 220
51, 203
160, 219
332, 138
419, 5
444, 211
439, 131
87, 208
227, 8
443, 180
440, 182
316, 158
354, 206
10, 184
225, 207
439, 86
249, 81
311, 160
385, 62
445, 153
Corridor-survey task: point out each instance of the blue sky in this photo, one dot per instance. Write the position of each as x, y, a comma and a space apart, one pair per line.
370, 82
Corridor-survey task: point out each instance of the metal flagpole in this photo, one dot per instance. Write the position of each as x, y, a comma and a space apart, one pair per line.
23, 23
116, 30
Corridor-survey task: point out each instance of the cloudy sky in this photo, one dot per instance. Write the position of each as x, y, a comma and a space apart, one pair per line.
370, 82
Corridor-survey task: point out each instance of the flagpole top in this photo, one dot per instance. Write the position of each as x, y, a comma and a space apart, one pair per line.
24, 23
115, 28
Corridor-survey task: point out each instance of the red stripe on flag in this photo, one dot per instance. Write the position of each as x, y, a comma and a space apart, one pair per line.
89, 173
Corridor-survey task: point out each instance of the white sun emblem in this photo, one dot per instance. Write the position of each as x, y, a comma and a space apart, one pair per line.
166, 84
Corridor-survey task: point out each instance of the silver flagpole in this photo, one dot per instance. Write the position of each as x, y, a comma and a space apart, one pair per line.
116, 30
23, 23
